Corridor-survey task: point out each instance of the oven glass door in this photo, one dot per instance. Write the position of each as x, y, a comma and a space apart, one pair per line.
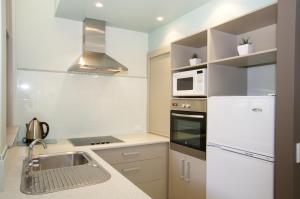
189, 129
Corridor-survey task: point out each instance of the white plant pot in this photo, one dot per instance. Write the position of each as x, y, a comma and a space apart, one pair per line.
195, 61
245, 49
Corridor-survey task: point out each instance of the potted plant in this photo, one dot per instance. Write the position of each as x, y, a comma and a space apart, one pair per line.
194, 61
245, 47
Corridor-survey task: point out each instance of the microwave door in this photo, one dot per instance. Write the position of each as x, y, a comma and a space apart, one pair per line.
183, 84
189, 83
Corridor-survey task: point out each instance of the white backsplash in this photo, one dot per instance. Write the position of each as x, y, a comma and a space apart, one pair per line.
75, 105
81, 105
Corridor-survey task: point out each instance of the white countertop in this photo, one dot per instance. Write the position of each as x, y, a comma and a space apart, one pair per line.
117, 187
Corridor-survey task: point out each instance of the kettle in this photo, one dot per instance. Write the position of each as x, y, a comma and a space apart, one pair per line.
35, 130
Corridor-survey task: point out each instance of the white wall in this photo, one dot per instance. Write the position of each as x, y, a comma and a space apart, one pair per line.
209, 14
75, 105
44, 42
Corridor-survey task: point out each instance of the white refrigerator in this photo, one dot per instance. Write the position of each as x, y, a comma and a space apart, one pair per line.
240, 147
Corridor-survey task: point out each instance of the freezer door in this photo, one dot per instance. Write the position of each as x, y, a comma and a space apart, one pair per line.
234, 176
245, 123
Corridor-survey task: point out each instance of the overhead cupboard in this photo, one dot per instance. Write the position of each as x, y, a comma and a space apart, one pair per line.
228, 73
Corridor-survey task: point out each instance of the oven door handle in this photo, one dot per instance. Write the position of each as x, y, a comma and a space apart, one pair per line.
188, 116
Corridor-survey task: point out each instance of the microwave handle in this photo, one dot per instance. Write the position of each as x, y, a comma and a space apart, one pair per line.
188, 116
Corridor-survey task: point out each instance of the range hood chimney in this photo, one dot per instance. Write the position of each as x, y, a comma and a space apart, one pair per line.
93, 58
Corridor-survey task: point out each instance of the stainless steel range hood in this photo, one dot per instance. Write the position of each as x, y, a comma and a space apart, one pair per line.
93, 58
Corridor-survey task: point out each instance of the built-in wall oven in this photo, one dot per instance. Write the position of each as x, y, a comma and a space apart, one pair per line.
188, 127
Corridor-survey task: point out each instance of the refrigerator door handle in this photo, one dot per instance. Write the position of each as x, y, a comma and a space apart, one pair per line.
214, 145
246, 153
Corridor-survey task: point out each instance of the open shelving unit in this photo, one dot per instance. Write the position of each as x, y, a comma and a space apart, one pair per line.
202, 65
259, 26
182, 50
228, 73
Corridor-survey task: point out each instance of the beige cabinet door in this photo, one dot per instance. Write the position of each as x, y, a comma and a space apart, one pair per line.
187, 177
195, 178
160, 94
176, 176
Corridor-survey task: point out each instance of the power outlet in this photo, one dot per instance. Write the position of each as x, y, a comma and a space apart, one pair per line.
298, 153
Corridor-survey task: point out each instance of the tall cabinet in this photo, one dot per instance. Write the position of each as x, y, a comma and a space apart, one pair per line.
159, 84
229, 74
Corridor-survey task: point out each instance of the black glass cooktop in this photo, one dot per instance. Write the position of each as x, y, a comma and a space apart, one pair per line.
94, 140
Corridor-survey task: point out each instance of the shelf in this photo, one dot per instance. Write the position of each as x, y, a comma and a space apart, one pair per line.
255, 20
228, 73
197, 40
190, 67
254, 59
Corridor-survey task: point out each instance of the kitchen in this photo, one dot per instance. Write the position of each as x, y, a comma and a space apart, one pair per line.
140, 101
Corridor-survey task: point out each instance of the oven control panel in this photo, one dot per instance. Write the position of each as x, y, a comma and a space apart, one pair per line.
176, 105
197, 105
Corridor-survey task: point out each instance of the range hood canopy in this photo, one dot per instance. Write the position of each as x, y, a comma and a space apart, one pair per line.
93, 58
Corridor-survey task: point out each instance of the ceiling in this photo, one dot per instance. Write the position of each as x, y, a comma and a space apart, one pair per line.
139, 15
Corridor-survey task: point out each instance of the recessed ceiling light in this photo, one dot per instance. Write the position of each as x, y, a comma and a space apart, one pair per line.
99, 5
160, 18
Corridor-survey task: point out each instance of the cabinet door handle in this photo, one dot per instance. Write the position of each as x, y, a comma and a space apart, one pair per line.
188, 172
131, 154
131, 169
182, 168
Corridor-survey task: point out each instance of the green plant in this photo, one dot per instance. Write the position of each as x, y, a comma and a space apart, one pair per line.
194, 56
245, 41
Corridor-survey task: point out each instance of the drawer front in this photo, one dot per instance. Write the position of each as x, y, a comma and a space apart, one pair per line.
155, 189
143, 171
131, 154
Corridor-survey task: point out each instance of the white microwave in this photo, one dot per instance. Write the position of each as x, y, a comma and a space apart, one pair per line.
190, 83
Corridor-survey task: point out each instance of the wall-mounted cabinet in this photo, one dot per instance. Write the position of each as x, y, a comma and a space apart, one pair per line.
228, 72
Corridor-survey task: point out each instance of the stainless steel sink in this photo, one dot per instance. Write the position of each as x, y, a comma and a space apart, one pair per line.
56, 172
45, 162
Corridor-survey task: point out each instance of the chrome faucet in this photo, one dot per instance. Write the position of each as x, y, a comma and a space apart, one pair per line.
30, 148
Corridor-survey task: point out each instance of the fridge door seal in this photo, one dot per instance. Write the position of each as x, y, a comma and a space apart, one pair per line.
242, 152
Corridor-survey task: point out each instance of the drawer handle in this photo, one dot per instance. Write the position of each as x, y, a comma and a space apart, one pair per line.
131, 169
131, 154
